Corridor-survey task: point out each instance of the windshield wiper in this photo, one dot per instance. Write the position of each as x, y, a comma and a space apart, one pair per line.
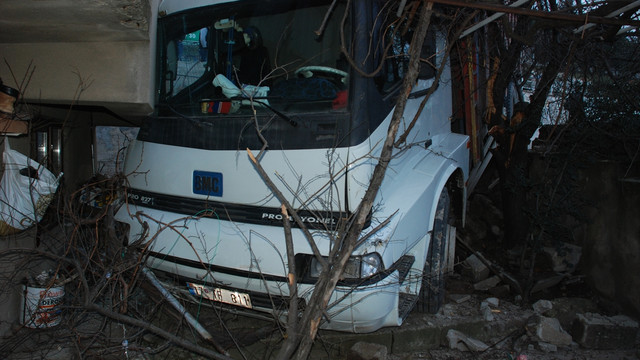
281, 115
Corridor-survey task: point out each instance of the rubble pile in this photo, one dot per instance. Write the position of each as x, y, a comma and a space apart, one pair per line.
561, 314
477, 325
505, 304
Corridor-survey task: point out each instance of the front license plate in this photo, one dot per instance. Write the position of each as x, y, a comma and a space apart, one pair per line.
220, 295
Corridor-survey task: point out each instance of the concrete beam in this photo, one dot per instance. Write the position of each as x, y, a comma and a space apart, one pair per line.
117, 75
52, 49
75, 20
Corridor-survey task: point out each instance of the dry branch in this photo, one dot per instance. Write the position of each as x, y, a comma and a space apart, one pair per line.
158, 331
289, 207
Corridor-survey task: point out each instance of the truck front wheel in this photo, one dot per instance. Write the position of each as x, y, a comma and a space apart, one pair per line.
432, 290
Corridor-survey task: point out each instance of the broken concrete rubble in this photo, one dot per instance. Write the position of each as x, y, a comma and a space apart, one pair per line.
460, 341
486, 308
492, 301
595, 331
547, 283
566, 309
548, 330
487, 284
459, 298
564, 257
542, 306
487, 314
546, 347
475, 268
367, 351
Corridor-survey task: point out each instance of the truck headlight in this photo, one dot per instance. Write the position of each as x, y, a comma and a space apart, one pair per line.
357, 267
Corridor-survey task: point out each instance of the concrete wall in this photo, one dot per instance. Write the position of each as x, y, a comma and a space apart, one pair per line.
110, 60
611, 240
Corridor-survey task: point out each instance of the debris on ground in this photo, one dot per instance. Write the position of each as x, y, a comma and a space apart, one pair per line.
462, 342
367, 351
595, 331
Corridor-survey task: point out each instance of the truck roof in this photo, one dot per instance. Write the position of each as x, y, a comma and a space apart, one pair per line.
168, 7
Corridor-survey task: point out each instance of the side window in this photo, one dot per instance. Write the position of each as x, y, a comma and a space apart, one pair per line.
428, 56
397, 59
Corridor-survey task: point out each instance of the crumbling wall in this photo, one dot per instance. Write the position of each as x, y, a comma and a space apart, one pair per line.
611, 239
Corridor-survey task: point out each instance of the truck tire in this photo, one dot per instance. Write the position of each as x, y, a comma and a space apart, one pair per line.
432, 291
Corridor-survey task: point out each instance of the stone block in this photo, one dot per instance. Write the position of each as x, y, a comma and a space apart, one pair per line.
542, 306
549, 330
475, 268
487, 284
492, 301
367, 351
596, 331
460, 341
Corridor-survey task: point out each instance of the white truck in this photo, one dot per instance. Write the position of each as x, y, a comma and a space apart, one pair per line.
237, 75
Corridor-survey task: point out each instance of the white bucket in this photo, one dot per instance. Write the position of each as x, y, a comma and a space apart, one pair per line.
41, 306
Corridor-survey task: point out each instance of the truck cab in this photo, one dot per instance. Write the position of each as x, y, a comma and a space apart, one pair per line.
310, 86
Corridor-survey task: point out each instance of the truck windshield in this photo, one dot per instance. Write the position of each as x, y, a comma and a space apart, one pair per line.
226, 70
